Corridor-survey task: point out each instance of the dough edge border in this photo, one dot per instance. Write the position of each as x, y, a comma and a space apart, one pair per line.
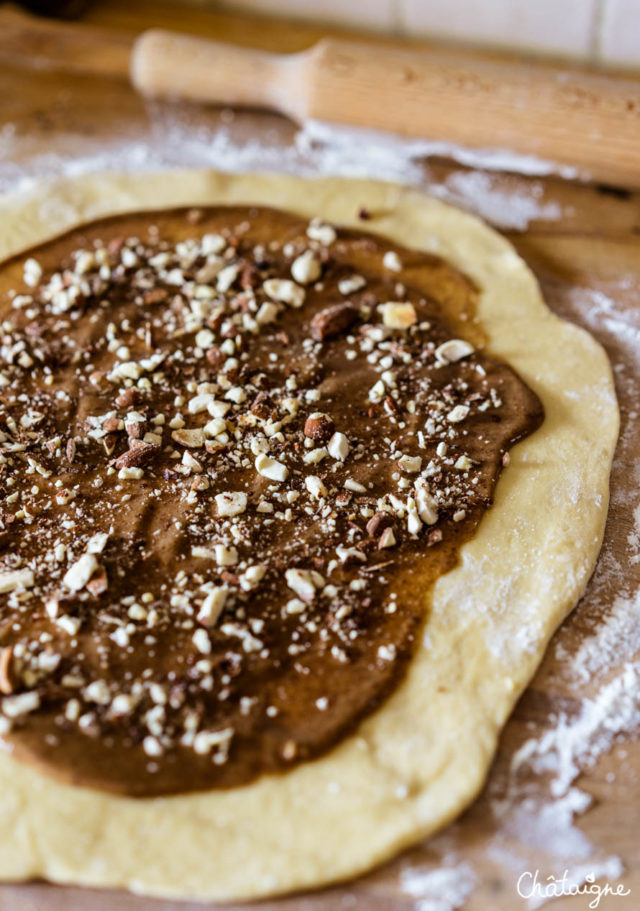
424, 755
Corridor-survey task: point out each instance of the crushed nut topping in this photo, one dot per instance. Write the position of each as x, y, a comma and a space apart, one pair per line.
226, 446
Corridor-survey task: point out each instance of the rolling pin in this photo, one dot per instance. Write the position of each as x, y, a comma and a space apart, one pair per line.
579, 119
583, 120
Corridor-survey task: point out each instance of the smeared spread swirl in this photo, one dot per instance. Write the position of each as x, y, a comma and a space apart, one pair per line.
236, 450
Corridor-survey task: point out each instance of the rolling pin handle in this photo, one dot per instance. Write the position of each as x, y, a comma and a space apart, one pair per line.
171, 65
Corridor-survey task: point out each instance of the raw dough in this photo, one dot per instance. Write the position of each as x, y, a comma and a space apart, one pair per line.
418, 761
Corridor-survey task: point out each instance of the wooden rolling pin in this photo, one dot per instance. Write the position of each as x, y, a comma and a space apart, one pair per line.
584, 120
579, 119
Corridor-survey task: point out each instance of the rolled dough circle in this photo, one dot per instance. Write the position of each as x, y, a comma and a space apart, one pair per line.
420, 759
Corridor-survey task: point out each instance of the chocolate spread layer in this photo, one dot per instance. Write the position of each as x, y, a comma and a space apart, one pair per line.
236, 451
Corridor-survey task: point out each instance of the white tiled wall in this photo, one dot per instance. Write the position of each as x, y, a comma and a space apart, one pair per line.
605, 31
549, 26
371, 14
619, 33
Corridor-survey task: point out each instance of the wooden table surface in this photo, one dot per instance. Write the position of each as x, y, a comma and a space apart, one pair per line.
592, 245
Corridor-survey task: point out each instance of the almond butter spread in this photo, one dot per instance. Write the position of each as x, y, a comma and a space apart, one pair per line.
236, 450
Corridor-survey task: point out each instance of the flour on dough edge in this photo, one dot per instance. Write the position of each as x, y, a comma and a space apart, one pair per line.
423, 756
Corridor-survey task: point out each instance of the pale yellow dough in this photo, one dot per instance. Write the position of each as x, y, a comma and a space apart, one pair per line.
422, 758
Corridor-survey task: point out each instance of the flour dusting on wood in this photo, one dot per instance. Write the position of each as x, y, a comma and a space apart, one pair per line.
172, 140
441, 889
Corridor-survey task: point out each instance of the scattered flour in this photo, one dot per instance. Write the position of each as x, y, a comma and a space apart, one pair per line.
349, 142
535, 809
570, 745
443, 889
507, 208
633, 538
544, 824
616, 639
223, 142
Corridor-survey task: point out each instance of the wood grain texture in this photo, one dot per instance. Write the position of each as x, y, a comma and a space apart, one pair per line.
64, 46
594, 245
